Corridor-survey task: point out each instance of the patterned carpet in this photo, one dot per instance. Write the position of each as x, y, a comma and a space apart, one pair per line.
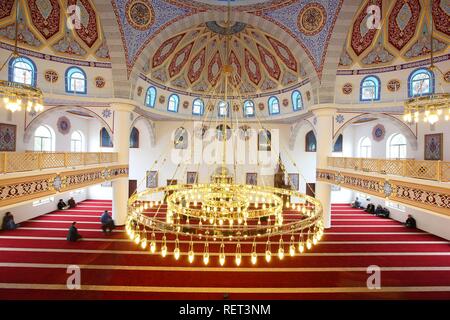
35, 257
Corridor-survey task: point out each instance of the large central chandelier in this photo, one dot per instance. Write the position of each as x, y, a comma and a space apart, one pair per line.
18, 96
222, 219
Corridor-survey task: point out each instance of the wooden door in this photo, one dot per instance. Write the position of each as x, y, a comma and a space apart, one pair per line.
132, 186
311, 189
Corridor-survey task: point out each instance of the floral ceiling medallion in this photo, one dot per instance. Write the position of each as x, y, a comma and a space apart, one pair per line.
312, 18
140, 14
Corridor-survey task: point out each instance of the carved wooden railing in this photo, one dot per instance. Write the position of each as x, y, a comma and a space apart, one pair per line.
27, 161
422, 169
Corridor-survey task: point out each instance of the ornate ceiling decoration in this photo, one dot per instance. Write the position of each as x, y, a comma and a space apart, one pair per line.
404, 34
193, 59
43, 28
309, 23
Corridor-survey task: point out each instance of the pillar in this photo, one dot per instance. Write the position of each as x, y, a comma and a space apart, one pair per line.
121, 145
324, 129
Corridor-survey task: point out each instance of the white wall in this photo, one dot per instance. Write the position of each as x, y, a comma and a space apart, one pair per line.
27, 211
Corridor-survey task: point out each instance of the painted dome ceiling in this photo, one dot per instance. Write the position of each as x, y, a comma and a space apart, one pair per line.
404, 35
193, 59
43, 28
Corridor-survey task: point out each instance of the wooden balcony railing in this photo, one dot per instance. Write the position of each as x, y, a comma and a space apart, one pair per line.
29, 160
422, 169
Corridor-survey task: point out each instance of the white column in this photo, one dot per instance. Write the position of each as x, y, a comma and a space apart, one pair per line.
121, 145
324, 139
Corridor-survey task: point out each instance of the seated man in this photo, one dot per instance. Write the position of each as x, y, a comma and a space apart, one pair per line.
382, 212
370, 208
62, 205
107, 222
71, 203
356, 204
410, 222
73, 234
8, 222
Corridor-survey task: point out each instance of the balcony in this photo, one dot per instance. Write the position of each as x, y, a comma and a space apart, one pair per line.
11, 162
410, 168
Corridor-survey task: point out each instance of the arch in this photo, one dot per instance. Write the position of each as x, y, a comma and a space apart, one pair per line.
77, 141
173, 103
44, 139
296, 128
106, 140
264, 140
223, 109
365, 147
370, 88
396, 146
249, 108
48, 112
134, 138
22, 70
150, 127
402, 127
150, 97
297, 100
421, 81
310, 142
273, 105
198, 107
338, 145
76, 80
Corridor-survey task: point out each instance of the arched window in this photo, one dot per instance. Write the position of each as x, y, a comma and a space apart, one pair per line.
105, 139
338, 144
421, 82
249, 108
370, 88
173, 103
297, 102
44, 139
222, 109
22, 70
76, 80
365, 148
274, 106
77, 141
310, 142
396, 146
134, 138
181, 138
150, 97
264, 140
198, 107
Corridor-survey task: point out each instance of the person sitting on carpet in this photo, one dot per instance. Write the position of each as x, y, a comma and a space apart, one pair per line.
62, 205
107, 222
8, 222
382, 212
356, 204
370, 208
410, 222
73, 234
71, 202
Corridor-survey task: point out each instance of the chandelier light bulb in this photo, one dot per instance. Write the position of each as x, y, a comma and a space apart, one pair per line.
268, 256
152, 247
206, 258
137, 239
176, 253
292, 250
144, 243
254, 258
238, 259
191, 256
301, 247
308, 244
164, 251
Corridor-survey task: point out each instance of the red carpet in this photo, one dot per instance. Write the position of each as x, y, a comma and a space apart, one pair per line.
34, 261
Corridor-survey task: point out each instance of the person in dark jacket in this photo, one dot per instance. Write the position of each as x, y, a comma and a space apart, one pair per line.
382, 212
370, 208
410, 222
8, 222
107, 222
71, 202
62, 205
73, 234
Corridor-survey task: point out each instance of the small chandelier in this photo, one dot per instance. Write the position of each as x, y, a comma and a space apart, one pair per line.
432, 106
18, 96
